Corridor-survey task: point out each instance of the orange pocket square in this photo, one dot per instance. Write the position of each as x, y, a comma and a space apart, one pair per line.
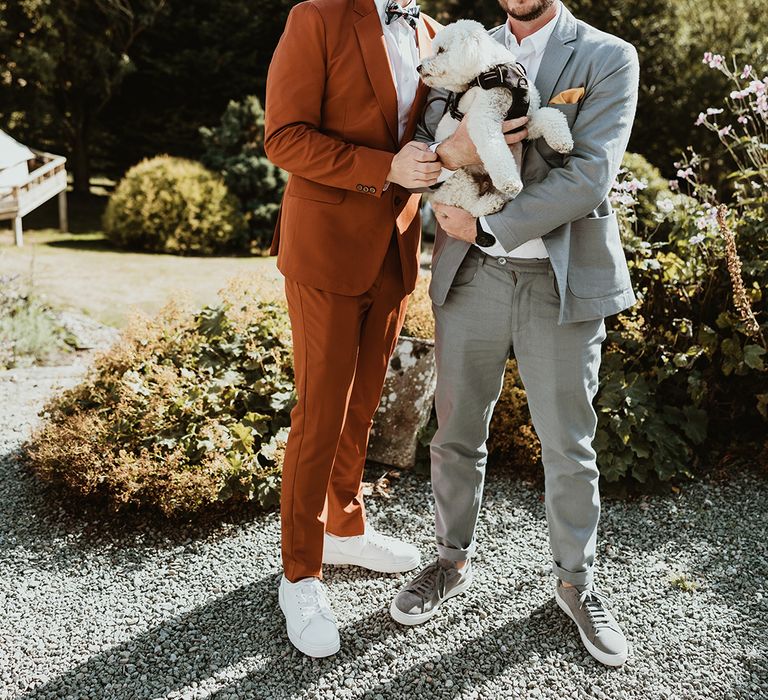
568, 97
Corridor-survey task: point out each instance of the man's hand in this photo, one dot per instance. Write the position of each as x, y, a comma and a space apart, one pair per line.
456, 222
458, 150
414, 167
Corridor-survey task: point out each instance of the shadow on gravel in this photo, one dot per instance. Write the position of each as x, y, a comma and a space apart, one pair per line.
37, 514
716, 542
209, 642
481, 659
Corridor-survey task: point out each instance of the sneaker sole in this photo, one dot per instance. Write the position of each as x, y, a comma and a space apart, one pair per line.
601, 656
410, 620
316, 651
371, 564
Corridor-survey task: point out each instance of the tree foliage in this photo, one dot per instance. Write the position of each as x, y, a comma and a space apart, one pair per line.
235, 149
63, 64
198, 56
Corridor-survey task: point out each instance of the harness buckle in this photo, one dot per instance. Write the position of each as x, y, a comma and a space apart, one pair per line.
492, 78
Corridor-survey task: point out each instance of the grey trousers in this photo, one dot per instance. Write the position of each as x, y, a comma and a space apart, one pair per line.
494, 310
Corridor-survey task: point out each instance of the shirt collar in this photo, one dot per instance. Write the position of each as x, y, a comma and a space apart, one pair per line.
536, 42
381, 7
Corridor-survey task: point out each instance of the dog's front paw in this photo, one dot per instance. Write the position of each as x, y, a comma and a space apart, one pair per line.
511, 188
563, 144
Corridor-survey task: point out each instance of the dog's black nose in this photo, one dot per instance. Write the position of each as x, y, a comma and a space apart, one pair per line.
419, 69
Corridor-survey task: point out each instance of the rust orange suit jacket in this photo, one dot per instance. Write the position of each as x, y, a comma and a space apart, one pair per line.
331, 122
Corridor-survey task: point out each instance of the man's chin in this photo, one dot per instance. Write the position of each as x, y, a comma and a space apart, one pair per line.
529, 15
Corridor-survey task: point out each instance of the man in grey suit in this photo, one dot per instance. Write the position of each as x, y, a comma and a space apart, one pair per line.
535, 280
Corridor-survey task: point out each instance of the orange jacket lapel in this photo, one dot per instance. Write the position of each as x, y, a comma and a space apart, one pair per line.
371, 39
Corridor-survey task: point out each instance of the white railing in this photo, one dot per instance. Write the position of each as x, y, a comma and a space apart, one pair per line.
42, 184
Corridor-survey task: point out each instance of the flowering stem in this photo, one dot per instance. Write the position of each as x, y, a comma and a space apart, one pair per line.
740, 298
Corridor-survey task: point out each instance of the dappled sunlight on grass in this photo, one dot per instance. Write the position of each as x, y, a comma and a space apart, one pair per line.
86, 273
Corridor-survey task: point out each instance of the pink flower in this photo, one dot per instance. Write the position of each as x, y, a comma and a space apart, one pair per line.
713, 110
702, 118
713, 60
674, 185
724, 131
746, 72
688, 172
761, 105
742, 120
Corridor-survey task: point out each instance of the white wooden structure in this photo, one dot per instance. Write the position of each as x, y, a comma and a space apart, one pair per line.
28, 178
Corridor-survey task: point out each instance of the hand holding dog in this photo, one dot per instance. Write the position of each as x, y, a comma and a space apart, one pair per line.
456, 222
414, 167
458, 150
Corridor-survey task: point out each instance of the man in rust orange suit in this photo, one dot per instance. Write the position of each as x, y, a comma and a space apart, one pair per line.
343, 101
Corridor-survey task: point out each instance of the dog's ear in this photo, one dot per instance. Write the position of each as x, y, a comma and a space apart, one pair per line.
471, 41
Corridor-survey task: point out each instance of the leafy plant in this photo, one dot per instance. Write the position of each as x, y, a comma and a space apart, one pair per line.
186, 410
419, 321
513, 441
29, 329
686, 368
173, 205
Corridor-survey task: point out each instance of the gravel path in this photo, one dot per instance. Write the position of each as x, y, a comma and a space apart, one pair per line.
95, 608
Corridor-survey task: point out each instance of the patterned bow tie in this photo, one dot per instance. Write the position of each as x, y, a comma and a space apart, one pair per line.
410, 15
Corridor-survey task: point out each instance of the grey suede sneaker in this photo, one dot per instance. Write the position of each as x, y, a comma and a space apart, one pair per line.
598, 629
423, 595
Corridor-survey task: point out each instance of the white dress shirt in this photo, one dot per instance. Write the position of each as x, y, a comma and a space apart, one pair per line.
403, 53
529, 53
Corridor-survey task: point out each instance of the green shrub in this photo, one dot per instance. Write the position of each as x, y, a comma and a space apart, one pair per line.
236, 150
684, 372
186, 410
419, 320
29, 330
513, 441
173, 205
648, 186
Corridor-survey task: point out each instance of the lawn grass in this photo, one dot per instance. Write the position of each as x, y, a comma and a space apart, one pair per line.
84, 272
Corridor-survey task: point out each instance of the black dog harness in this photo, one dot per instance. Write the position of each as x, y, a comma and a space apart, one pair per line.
510, 76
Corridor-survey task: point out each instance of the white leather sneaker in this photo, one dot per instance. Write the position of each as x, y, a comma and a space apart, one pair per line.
309, 620
371, 550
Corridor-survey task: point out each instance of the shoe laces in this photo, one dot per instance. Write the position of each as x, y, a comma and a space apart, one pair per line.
431, 577
596, 604
313, 601
380, 541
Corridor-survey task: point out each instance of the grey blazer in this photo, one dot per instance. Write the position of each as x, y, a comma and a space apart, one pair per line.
564, 199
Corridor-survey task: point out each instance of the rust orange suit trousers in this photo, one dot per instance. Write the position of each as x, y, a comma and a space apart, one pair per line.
342, 345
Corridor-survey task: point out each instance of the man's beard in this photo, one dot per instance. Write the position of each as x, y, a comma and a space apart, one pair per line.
541, 7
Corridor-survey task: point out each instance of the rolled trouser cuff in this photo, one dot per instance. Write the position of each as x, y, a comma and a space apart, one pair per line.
453, 554
576, 578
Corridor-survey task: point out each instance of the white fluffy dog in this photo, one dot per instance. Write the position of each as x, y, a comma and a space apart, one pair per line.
462, 51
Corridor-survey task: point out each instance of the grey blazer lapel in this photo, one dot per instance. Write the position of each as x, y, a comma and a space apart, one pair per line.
556, 55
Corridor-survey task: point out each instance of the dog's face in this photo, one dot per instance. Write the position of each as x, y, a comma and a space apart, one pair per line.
461, 51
